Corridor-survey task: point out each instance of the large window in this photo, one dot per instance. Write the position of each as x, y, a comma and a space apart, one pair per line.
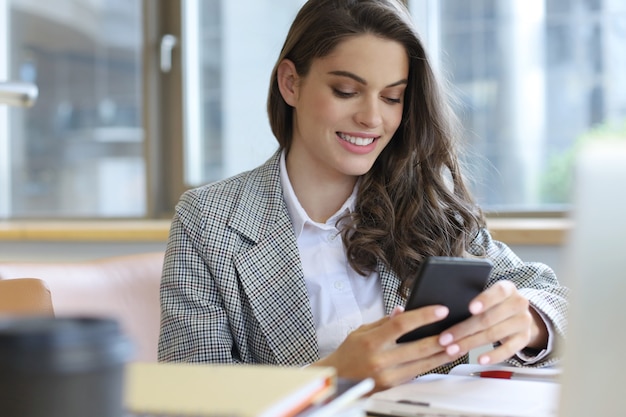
533, 79
140, 100
79, 151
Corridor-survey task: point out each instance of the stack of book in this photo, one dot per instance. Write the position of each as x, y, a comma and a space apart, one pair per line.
208, 390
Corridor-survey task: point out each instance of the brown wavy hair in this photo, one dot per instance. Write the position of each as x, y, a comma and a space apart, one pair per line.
413, 203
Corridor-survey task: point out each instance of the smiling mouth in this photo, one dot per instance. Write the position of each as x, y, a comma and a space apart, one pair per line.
356, 140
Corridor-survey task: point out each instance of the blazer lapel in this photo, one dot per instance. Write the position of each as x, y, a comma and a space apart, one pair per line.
390, 284
271, 272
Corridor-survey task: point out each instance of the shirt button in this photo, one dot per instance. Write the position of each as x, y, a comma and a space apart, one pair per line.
339, 285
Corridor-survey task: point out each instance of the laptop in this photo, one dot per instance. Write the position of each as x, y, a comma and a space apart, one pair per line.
594, 360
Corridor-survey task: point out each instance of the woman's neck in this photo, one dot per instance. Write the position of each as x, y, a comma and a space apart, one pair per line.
319, 193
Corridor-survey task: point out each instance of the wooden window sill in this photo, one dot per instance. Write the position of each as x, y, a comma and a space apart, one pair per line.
515, 231
535, 231
93, 230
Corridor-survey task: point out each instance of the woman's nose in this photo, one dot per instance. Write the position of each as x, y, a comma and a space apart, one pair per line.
369, 113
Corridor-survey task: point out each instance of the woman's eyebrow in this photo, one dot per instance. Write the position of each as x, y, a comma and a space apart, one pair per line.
361, 80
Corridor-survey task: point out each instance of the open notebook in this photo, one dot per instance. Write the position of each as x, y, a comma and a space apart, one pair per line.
533, 394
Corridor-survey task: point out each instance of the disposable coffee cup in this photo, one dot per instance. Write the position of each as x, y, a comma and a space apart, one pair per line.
62, 367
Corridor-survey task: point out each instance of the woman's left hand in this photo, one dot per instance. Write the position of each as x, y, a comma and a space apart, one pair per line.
499, 314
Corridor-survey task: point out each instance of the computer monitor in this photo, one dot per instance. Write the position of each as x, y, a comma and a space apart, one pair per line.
595, 347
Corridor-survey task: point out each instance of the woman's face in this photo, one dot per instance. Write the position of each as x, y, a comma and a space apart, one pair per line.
347, 107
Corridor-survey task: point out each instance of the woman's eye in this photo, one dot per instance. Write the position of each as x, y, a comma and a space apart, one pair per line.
342, 94
393, 100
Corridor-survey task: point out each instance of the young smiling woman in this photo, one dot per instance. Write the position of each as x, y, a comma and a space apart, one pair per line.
345, 111
306, 260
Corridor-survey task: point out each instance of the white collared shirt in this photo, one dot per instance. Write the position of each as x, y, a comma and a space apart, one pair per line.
341, 299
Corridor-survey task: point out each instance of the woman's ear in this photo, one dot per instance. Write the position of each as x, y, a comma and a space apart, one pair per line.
287, 78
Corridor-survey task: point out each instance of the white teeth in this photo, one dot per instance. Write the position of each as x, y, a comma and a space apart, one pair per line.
356, 141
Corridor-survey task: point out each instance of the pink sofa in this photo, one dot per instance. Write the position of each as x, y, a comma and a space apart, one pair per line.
122, 287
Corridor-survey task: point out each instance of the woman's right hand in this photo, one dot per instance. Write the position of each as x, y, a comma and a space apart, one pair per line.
371, 350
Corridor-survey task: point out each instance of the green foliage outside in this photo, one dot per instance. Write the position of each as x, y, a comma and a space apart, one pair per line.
556, 181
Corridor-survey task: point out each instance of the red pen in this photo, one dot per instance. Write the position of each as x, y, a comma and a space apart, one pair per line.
494, 374
500, 374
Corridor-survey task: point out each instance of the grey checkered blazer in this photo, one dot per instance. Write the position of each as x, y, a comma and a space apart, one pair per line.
233, 289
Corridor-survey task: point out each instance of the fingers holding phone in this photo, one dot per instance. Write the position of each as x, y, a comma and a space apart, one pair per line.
499, 314
450, 281
372, 351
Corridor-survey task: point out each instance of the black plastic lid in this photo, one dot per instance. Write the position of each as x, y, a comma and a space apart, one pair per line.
61, 344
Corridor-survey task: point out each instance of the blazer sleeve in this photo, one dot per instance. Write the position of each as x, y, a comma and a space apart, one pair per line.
194, 323
536, 281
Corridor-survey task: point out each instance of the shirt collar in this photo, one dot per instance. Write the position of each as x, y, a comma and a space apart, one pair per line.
298, 216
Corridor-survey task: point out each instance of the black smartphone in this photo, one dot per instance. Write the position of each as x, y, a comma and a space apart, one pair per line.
449, 281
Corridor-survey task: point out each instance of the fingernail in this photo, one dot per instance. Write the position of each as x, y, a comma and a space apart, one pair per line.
484, 360
441, 312
445, 339
453, 349
476, 307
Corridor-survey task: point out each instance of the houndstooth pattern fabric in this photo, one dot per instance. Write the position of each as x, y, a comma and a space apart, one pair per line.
233, 289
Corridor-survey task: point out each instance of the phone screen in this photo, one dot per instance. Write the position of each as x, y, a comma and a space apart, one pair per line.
449, 281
